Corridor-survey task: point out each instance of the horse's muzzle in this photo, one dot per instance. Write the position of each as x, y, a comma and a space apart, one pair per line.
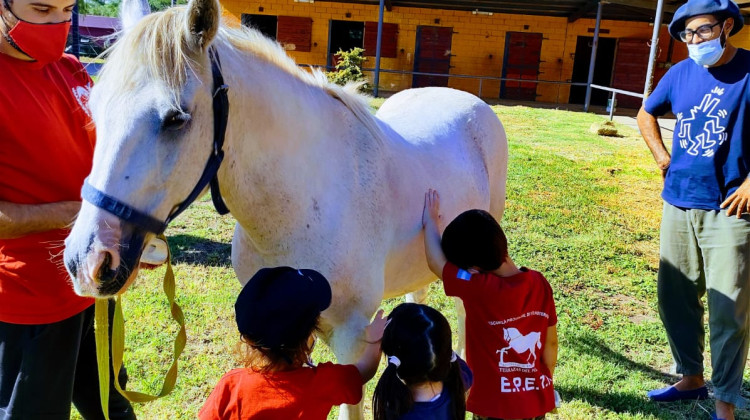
100, 270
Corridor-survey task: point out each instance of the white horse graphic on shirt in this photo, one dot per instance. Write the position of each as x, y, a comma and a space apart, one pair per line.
520, 344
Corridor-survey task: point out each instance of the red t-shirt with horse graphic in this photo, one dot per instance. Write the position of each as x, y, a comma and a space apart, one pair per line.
47, 150
506, 330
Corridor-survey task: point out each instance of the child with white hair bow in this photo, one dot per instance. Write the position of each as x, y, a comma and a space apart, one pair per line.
424, 378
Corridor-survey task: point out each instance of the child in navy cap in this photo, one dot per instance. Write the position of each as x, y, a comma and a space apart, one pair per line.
277, 314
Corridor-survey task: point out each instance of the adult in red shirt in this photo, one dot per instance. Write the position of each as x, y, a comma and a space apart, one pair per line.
47, 350
511, 322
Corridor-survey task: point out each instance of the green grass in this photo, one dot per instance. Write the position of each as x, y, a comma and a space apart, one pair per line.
582, 209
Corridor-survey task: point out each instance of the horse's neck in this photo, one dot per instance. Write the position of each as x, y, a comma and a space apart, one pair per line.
288, 144
275, 111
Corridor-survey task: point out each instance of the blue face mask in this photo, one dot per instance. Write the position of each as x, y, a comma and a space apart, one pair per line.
707, 53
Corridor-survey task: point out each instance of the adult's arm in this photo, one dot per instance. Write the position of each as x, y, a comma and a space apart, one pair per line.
18, 220
430, 215
651, 133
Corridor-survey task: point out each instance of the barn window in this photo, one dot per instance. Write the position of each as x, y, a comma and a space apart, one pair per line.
266, 24
346, 35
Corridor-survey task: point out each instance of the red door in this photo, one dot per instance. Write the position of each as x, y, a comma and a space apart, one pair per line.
433, 55
521, 61
631, 63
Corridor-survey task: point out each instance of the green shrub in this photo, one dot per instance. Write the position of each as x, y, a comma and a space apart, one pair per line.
349, 69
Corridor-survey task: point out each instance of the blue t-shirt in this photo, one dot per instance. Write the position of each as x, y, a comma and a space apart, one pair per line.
439, 409
709, 157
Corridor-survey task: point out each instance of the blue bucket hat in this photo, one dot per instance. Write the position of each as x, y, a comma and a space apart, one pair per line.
722, 9
280, 306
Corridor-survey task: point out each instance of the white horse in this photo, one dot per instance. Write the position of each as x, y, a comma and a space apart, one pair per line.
522, 343
312, 178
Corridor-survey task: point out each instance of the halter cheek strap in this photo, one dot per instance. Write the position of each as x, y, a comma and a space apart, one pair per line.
209, 176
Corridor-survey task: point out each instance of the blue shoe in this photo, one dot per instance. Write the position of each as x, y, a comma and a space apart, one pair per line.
714, 417
671, 393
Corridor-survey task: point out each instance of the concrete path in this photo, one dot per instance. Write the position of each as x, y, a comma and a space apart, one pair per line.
666, 124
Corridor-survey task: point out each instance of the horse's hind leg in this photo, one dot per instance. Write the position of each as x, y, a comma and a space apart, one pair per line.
461, 324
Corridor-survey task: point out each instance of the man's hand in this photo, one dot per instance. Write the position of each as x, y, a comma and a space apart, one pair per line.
739, 201
664, 170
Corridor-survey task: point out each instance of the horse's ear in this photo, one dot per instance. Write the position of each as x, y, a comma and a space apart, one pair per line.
202, 22
132, 11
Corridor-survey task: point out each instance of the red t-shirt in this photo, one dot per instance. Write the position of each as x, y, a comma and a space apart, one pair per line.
506, 330
304, 393
47, 148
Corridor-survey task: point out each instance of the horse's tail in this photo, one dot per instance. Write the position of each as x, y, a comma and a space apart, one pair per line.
539, 342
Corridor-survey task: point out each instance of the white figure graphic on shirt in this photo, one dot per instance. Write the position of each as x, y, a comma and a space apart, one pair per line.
702, 141
520, 344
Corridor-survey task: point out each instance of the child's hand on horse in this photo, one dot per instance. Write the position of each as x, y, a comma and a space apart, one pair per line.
431, 210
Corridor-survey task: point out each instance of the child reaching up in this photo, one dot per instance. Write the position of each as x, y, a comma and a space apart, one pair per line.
424, 379
511, 333
277, 315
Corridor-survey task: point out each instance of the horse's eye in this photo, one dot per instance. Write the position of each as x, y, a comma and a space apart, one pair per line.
175, 120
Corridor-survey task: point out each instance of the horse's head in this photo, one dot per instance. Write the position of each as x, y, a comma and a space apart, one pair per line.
152, 108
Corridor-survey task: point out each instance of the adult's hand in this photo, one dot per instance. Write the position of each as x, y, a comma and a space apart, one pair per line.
739, 201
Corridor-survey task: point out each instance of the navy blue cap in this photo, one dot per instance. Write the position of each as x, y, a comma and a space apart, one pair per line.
721, 9
280, 306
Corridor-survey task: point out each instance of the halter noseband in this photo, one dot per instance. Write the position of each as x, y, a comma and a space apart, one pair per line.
148, 222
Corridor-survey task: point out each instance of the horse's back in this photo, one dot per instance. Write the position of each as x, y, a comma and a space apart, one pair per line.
444, 139
452, 126
428, 114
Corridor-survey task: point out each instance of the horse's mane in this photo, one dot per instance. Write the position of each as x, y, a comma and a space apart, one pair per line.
157, 46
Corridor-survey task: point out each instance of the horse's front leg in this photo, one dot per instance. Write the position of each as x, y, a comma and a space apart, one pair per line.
347, 343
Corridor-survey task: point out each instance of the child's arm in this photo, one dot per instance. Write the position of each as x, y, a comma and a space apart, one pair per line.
367, 364
430, 214
549, 356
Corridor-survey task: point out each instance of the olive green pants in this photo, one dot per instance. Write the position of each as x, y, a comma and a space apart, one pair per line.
703, 250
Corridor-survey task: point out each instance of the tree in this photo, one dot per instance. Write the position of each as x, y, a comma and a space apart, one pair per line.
112, 7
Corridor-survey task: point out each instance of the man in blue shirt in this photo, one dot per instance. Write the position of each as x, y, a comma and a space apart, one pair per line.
705, 231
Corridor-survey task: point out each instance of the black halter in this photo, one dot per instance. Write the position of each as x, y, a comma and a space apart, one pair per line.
148, 222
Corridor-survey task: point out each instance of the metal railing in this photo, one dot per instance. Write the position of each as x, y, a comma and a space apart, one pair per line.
481, 79
613, 99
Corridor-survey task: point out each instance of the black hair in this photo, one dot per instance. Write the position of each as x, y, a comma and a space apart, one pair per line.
475, 239
420, 337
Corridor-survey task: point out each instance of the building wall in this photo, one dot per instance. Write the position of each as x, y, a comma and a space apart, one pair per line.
478, 41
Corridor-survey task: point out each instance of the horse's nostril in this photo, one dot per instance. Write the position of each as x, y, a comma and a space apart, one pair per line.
105, 272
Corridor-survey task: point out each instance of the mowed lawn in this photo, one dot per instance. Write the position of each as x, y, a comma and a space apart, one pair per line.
582, 209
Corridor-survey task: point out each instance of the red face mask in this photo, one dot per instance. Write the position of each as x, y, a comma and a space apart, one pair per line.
44, 42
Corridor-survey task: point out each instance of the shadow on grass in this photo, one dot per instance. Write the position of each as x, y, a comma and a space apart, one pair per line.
585, 343
194, 250
630, 404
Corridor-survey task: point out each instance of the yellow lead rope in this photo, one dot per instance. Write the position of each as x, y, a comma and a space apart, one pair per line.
118, 343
